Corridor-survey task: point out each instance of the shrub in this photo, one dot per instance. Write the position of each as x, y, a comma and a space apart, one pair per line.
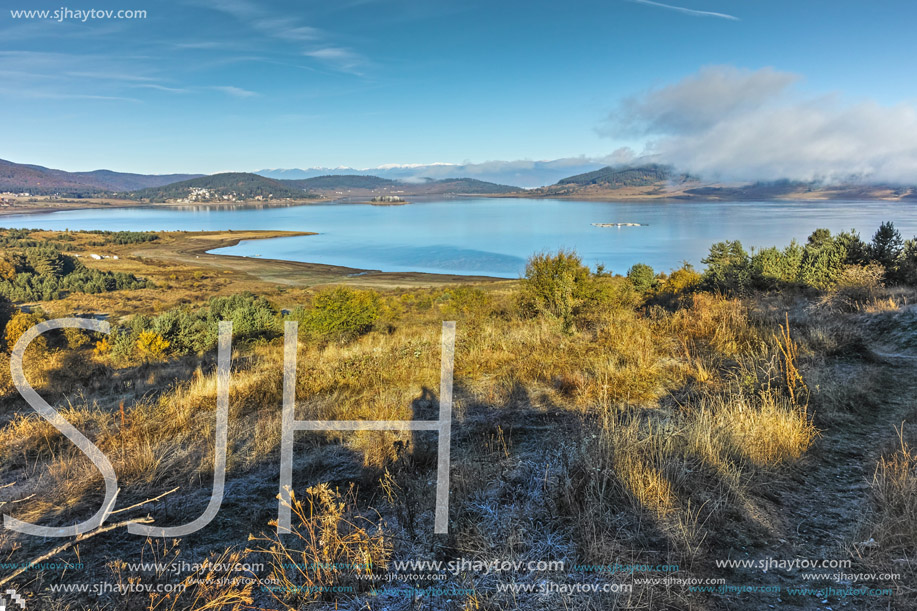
152, 346
75, 337
7, 269
728, 268
19, 324
556, 285
123, 237
102, 347
772, 268
642, 277
823, 260
857, 249
6, 311
464, 302
187, 332
121, 345
340, 313
252, 316
682, 281
48, 261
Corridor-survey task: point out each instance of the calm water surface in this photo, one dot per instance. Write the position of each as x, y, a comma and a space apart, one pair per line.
495, 236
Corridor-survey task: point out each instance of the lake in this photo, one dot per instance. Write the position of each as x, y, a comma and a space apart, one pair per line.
494, 237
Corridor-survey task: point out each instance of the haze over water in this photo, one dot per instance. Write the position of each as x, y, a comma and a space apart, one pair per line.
494, 237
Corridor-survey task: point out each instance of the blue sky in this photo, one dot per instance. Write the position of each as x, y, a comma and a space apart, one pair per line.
209, 85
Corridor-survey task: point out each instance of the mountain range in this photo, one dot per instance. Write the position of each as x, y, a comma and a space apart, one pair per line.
642, 182
524, 174
40, 180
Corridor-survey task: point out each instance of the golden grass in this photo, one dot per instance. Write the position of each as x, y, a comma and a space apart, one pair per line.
683, 413
763, 431
328, 545
894, 490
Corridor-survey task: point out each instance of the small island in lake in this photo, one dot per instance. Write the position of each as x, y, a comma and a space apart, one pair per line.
388, 200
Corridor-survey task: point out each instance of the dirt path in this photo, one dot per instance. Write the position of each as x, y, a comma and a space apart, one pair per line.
821, 505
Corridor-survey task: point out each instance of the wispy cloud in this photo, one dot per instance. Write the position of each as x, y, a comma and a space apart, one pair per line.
112, 76
62, 76
236, 92
162, 88
686, 11
314, 42
206, 45
339, 58
53, 95
278, 26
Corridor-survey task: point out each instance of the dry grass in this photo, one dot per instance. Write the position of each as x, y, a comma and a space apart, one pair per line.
636, 437
894, 489
327, 546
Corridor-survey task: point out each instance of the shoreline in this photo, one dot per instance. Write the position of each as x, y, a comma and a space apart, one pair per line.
192, 248
115, 204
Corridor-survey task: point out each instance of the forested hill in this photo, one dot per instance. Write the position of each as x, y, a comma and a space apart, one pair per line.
622, 177
229, 186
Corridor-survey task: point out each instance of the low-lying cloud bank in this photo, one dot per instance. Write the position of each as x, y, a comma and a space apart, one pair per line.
730, 124
520, 173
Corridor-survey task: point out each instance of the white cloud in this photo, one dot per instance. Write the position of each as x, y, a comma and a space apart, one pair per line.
236, 92
162, 88
313, 42
734, 124
686, 11
339, 58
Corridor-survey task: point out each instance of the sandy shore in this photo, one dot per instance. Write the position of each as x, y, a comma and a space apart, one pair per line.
24, 206
191, 248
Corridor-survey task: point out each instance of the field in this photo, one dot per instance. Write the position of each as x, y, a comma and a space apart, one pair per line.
673, 441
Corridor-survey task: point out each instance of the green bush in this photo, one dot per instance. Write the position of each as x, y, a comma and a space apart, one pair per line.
123, 237
857, 249
825, 262
682, 280
728, 268
339, 313
186, 331
772, 268
642, 277
182, 331
252, 317
824, 259
557, 285
464, 302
